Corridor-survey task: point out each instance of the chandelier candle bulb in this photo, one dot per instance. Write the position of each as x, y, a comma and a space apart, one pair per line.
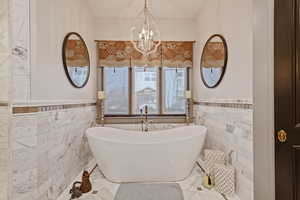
101, 95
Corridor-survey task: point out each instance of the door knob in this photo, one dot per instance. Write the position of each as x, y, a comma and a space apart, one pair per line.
282, 136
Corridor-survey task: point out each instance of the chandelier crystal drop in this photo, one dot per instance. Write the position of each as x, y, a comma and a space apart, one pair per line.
145, 35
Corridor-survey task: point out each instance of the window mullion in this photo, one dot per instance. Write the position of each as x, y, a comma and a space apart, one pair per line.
130, 95
160, 89
188, 86
102, 79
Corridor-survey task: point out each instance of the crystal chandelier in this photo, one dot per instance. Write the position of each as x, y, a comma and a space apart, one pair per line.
145, 35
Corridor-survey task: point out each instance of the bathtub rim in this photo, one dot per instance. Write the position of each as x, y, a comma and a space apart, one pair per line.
145, 138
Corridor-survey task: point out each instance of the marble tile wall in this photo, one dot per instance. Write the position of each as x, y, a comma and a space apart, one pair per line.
48, 150
229, 129
4, 151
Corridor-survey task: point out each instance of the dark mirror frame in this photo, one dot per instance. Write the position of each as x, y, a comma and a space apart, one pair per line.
65, 63
225, 61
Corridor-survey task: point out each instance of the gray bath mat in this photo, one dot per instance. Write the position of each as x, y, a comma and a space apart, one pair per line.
145, 191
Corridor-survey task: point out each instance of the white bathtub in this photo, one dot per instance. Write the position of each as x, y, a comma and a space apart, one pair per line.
161, 156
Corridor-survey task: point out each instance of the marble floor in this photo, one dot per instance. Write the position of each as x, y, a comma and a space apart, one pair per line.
191, 187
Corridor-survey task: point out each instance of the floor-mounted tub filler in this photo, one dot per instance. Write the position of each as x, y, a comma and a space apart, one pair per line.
160, 156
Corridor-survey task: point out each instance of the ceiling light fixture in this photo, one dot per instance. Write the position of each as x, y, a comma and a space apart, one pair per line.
145, 35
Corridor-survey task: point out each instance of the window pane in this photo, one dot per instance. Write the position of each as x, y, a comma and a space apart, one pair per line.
116, 88
174, 90
145, 89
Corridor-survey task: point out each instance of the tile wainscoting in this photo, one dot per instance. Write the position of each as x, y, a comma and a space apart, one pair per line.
4, 151
34, 109
230, 128
48, 147
48, 150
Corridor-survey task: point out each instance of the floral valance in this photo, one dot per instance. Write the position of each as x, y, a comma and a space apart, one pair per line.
76, 54
114, 53
153, 60
122, 53
177, 54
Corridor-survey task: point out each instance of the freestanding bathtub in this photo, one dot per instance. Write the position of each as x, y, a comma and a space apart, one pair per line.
160, 156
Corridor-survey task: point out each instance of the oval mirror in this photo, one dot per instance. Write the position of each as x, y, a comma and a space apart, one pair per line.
76, 60
214, 61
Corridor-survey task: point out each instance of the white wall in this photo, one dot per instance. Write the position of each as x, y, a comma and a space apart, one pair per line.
4, 98
119, 29
263, 124
4, 52
50, 21
233, 20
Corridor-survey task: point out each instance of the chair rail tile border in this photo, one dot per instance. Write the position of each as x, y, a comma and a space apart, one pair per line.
226, 105
3, 104
45, 108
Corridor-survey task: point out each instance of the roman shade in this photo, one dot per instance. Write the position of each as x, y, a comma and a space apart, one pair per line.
114, 53
122, 53
153, 60
177, 54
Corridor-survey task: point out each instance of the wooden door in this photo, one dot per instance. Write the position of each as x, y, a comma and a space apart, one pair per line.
287, 99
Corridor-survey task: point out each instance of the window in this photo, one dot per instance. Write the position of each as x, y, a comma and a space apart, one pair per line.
174, 90
129, 90
145, 90
158, 81
115, 84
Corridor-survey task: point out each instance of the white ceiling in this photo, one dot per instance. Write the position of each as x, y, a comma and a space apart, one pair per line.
164, 9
